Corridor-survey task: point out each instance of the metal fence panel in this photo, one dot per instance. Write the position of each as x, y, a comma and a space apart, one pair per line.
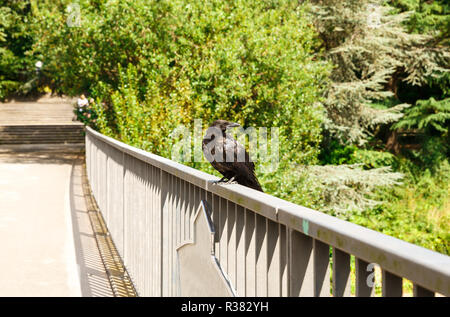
265, 246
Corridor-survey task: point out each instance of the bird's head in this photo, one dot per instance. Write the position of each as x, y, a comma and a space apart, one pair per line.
223, 125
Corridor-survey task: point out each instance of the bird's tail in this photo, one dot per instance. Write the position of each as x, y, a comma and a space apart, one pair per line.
251, 182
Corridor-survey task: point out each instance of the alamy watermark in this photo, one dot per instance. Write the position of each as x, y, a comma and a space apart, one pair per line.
74, 17
370, 280
374, 15
262, 145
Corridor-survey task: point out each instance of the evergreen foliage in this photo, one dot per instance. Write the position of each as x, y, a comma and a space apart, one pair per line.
370, 49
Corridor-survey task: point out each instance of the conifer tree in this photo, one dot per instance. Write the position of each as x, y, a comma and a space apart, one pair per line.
372, 52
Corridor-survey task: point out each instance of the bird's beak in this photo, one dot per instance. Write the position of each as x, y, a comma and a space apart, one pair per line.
233, 125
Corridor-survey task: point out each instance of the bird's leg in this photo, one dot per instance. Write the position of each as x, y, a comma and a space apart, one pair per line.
222, 180
231, 181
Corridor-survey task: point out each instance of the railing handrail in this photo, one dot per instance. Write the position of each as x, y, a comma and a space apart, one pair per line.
424, 267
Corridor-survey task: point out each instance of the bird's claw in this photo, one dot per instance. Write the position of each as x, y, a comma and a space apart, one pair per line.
222, 180
225, 182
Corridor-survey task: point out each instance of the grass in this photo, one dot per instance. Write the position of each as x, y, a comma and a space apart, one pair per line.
417, 213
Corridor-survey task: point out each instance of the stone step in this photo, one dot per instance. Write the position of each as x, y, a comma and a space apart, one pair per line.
47, 134
4, 128
47, 121
62, 138
36, 112
40, 126
41, 141
42, 134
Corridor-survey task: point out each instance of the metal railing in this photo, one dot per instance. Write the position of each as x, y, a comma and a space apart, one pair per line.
266, 246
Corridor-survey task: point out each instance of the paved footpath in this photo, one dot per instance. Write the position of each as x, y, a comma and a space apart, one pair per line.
47, 246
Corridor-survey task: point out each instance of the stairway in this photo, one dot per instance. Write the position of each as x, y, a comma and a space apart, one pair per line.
45, 121
42, 134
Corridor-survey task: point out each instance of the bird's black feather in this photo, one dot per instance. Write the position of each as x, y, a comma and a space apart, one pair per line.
230, 157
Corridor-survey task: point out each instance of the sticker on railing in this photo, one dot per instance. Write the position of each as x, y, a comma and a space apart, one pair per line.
305, 226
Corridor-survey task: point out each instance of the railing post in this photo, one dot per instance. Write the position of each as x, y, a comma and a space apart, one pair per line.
240, 250
341, 273
250, 249
273, 257
164, 230
301, 266
321, 269
364, 278
261, 256
391, 285
419, 291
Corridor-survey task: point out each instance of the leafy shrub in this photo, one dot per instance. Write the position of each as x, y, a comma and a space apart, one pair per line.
16, 63
418, 211
157, 64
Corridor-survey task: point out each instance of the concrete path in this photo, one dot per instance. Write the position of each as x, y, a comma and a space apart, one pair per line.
47, 245
35, 229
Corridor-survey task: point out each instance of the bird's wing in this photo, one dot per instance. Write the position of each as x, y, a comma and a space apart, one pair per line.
237, 152
242, 167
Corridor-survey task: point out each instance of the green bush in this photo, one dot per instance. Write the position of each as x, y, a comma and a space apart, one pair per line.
16, 63
418, 211
157, 64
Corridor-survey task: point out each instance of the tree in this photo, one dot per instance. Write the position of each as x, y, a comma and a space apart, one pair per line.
372, 53
16, 64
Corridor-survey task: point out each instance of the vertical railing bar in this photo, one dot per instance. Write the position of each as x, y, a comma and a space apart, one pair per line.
149, 231
166, 233
261, 258
216, 220
159, 223
169, 236
223, 234
341, 273
150, 209
250, 250
364, 286
190, 206
123, 204
174, 237
273, 259
240, 250
284, 290
301, 266
321, 269
183, 210
173, 251
231, 260
391, 284
156, 210
131, 223
107, 211
419, 291
178, 210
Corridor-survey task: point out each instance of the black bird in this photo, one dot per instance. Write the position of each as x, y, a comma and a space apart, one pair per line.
228, 156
